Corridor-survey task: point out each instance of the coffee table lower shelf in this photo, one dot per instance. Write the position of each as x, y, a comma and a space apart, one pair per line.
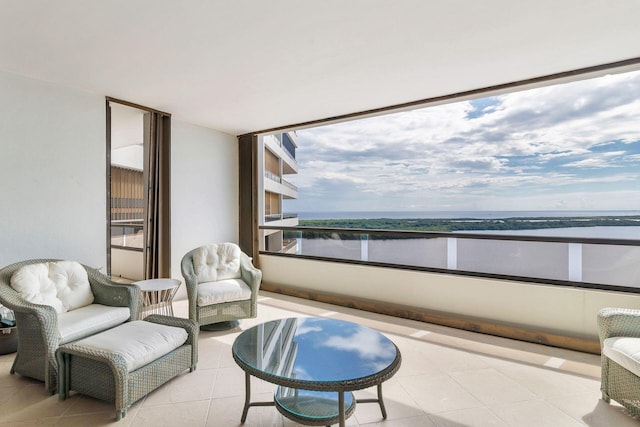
320, 408
312, 408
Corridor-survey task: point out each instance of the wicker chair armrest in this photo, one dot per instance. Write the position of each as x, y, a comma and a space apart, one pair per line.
45, 314
179, 322
618, 322
38, 322
250, 274
108, 292
190, 283
189, 274
12, 299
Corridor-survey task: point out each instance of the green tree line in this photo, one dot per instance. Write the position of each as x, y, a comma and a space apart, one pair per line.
472, 224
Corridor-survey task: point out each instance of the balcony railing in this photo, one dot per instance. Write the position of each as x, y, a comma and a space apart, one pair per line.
289, 185
279, 217
570, 261
272, 176
127, 235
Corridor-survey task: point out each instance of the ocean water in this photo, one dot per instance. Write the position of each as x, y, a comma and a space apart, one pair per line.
598, 232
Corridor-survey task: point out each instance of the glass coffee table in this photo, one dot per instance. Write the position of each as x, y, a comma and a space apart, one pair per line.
317, 363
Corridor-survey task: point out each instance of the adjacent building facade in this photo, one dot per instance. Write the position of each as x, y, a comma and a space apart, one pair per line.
278, 153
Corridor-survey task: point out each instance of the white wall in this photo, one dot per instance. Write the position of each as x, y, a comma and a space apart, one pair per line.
204, 191
52, 172
537, 307
53, 178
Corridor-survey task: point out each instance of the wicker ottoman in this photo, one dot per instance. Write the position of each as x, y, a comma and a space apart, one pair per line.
113, 375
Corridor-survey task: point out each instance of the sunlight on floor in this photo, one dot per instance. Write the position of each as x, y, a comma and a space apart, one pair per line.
448, 377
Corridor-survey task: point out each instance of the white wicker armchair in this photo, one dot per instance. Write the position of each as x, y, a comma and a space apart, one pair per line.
619, 331
41, 330
222, 285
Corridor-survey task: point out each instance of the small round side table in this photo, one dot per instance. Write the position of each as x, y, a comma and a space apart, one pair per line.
157, 296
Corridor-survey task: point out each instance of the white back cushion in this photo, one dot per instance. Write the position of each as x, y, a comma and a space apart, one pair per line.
205, 261
64, 285
228, 261
33, 284
217, 262
72, 284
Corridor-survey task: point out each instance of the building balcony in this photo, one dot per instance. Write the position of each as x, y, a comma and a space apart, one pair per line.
278, 185
127, 243
289, 162
282, 219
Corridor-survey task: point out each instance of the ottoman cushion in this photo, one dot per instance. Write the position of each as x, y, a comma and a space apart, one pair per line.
625, 351
138, 342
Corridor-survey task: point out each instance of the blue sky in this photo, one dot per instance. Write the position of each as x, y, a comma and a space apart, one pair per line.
572, 146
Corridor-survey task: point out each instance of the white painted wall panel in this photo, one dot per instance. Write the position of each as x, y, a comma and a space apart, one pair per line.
204, 190
52, 172
53, 178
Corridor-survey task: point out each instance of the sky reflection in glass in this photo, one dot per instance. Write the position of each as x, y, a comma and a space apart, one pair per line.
321, 350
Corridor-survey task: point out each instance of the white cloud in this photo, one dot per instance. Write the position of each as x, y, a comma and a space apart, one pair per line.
518, 145
369, 344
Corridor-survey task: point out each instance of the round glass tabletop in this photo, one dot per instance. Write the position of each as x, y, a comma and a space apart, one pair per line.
316, 354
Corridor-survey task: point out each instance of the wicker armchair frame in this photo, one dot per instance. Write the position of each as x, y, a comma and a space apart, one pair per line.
223, 312
38, 324
618, 383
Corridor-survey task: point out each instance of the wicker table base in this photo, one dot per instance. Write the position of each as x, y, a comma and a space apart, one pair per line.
312, 409
157, 296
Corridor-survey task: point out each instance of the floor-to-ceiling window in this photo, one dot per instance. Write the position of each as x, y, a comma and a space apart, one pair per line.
557, 163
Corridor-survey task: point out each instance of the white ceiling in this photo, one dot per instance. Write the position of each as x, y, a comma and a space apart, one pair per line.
248, 65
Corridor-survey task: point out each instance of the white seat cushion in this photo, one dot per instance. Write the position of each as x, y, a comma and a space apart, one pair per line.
222, 291
625, 351
85, 321
138, 342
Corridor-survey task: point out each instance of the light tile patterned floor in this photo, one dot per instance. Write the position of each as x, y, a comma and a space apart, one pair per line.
448, 378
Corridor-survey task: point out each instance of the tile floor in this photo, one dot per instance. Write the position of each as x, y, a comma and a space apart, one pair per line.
448, 378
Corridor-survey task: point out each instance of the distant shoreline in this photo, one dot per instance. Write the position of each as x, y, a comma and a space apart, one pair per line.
470, 223
443, 214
